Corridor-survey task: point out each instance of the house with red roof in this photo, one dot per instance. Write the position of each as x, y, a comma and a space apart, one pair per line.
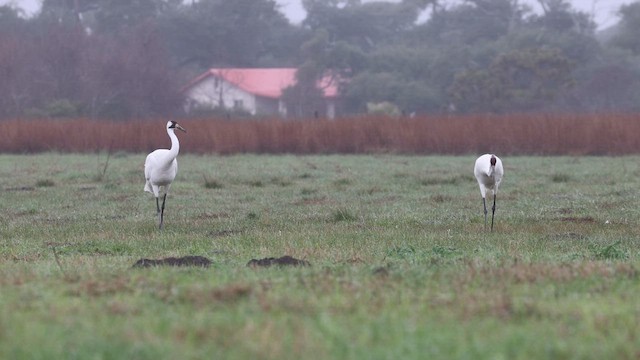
256, 91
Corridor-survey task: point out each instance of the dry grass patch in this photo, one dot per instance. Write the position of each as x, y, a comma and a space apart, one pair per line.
226, 294
531, 273
576, 134
102, 287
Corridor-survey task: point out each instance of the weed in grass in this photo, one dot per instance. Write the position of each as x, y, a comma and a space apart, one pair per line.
280, 181
102, 169
255, 183
343, 215
609, 252
45, 183
401, 252
439, 198
27, 212
561, 178
111, 186
371, 190
308, 191
57, 258
342, 182
212, 183
444, 251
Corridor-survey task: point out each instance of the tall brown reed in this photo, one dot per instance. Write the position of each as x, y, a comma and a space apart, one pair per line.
601, 134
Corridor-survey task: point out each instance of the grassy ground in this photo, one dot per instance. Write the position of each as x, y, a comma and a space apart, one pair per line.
401, 266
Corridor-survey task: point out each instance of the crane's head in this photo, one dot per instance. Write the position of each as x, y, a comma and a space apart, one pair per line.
493, 160
174, 125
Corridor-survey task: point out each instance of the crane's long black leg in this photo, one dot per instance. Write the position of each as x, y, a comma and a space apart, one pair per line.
162, 211
493, 210
484, 205
157, 206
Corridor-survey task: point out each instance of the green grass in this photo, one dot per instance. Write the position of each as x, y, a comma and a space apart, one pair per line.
401, 265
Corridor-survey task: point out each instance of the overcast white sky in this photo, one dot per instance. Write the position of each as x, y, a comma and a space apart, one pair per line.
604, 10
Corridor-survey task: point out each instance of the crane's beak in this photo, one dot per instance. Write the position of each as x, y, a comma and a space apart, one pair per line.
180, 127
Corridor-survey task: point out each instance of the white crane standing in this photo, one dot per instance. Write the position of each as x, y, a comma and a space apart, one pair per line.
160, 169
488, 171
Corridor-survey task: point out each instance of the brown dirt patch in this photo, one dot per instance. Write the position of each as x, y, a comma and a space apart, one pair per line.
281, 261
584, 219
223, 233
172, 261
381, 271
312, 201
20, 188
207, 215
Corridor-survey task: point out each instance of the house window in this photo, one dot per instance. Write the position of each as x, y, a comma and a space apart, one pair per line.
238, 104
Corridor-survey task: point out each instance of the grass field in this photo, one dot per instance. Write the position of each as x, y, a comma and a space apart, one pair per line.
401, 266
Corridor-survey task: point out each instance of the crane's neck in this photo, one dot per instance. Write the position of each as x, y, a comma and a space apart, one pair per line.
492, 171
175, 144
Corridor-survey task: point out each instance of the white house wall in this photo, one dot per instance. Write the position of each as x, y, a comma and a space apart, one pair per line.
207, 95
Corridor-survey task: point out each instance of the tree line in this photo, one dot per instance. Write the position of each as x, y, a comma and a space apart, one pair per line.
124, 59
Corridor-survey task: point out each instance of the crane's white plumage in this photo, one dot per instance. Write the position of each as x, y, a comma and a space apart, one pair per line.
161, 168
488, 171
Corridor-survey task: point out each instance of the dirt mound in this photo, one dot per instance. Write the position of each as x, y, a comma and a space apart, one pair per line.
281, 261
172, 261
381, 271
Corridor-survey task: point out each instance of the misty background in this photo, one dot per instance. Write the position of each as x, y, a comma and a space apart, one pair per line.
116, 59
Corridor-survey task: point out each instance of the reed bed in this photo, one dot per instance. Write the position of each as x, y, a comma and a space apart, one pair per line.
522, 134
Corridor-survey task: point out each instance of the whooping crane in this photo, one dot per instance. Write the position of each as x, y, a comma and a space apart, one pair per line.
488, 171
160, 169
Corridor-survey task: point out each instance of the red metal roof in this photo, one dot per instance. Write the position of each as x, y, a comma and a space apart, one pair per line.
267, 82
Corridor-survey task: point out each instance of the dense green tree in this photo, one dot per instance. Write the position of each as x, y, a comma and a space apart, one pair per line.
611, 81
613, 85
559, 16
366, 25
627, 32
122, 58
239, 33
115, 16
380, 87
305, 98
522, 80
472, 22
106, 16
129, 76
11, 20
